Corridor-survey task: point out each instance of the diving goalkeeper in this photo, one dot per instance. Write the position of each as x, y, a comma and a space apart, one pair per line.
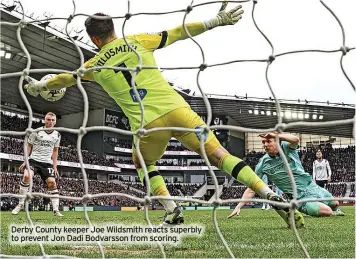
163, 106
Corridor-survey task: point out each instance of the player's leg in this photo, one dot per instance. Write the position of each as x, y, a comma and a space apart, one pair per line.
218, 156
316, 209
24, 187
152, 147
322, 208
47, 175
265, 180
332, 204
336, 209
52, 188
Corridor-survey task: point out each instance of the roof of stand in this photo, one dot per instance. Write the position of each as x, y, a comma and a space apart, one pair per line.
48, 50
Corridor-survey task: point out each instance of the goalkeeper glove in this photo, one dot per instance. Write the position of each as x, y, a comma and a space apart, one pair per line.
225, 18
35, 87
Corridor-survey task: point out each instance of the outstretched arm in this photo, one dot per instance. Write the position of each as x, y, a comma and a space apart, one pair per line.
34, 87
157, 41
168, 37
222, 18
248, 194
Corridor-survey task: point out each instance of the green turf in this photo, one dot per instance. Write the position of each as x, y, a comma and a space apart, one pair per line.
256, 233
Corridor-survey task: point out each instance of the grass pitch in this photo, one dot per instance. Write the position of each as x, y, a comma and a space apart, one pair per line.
254, 234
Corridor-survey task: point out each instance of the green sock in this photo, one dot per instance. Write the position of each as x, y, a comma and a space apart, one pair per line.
244, 174
157, 186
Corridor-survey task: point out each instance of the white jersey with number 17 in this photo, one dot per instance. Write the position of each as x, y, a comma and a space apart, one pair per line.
43, 144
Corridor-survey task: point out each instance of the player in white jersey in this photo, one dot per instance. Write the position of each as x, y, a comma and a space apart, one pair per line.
43, 146
321, 170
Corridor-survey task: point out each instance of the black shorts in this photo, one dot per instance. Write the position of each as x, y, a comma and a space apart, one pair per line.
45, 170
321, 183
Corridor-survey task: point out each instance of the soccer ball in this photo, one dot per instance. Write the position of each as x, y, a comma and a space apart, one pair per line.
52, 95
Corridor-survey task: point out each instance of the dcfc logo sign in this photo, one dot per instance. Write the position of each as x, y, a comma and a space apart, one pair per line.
116, 119
111, 119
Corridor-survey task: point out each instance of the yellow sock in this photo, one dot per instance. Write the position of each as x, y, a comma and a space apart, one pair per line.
244, 174
157, 186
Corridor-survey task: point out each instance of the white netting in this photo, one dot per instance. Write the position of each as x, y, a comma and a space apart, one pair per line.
280, 127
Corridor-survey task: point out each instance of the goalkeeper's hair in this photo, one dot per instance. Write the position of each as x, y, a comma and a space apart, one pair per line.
99, 28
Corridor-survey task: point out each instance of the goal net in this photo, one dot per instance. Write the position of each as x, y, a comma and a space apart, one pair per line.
280, 127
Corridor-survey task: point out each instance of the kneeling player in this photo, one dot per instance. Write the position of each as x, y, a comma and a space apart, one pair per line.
271, 164
42, 147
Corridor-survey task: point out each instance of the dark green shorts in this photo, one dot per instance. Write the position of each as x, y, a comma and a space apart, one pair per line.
312, 207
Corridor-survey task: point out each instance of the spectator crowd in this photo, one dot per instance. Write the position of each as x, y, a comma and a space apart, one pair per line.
352, 192
70, 154
342, 162
182, 161
337, 189
75, 188
180, 189
125, 143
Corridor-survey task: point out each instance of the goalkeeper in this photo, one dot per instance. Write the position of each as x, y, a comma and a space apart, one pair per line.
271, 164
163, 106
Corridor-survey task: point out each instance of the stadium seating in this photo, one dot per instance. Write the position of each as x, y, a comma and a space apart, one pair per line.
123, 143
337, 189
342, 161
352, 192
233, 192
14, 146
74, 188
177, 189
15, 123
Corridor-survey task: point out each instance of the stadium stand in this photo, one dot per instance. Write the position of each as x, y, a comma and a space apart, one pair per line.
16, 123
124, 143
342, 161
352, 192
73, 187
337, 189
233, 192
15, 146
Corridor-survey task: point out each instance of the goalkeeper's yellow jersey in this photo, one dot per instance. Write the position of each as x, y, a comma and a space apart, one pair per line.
157, 96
